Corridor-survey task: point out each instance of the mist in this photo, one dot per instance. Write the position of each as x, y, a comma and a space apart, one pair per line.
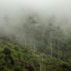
14, 13
35, 35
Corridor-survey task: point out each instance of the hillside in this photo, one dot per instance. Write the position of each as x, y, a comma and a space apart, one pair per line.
14, 57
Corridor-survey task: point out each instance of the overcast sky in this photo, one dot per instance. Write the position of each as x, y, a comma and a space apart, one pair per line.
16, 8
57, 7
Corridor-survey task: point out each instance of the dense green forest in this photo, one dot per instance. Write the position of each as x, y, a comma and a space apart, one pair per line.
35, 35
46, 48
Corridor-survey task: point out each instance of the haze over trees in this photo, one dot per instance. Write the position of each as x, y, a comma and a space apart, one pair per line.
35, 46
32, 41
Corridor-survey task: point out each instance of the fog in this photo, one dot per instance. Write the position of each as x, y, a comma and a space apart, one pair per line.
14, 12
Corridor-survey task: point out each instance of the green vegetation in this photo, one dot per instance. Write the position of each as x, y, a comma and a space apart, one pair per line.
36, 47
51, 54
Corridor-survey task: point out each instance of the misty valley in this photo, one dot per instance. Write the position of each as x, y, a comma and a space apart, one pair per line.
36, 47
35, 35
